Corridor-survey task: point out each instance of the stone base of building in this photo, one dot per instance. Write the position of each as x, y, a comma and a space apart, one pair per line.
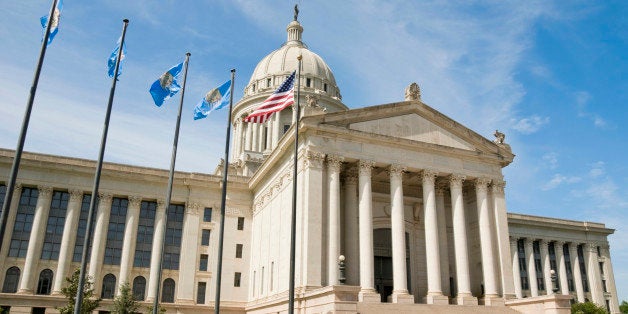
401, 298
466, 300
369, 296
547, 304
491, 300
437, 299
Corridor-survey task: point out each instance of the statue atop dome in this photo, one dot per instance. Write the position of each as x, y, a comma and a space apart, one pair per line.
413, 92
296, 12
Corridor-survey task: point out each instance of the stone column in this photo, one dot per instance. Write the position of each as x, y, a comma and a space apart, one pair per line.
17, 194
189, 255
577, 275
276, 128
155, 256
486, 241
237, 140
593, 272
545, 259
130, 235
562, 267
398, 233
442, 239
514, 251
367, 270
352, 246
529, 249
333, 232
464, 296
99, 239
269, 135
248, 144
261, 135
610, 278
432, 250
68, 240
36, 239
255, 137
501, 224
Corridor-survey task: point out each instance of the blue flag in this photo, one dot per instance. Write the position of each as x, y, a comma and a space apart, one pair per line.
215, 99
54, 26
111, 63
167, 85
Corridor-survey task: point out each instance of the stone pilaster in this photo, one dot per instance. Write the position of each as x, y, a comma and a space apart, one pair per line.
367, 271
311, 201
610, 278
36, 240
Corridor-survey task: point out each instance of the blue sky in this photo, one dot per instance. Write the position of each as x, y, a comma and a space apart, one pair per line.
550, 74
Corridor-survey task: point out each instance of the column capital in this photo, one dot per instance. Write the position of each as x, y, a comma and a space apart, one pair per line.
334, 162
365, 167
429, 175
544, 242
314, 159
573, 247
455, 180
561, 243
482, 183
592, 246
514, 239
351, 176
135, 200
76, 195
396, 170
105, 198
44, 190
528, 243
498, 186
192, 208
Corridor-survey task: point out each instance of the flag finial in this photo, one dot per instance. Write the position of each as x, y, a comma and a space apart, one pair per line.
296, 12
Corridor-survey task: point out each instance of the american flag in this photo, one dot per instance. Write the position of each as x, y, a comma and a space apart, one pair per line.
280, 99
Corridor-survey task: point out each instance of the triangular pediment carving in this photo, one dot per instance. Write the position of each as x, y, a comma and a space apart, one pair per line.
411, 126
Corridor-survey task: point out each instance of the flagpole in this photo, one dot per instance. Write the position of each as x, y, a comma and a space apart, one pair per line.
293, 225
223, 201
92, 204
6, 206
170, 181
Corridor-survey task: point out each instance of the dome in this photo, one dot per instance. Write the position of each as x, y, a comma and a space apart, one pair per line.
272, 70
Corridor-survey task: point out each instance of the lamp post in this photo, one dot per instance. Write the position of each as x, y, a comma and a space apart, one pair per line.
341, 269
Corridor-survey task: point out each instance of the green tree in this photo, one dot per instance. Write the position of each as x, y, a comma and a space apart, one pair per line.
90, 303
125, 303
623, 307
587, 308
160, 310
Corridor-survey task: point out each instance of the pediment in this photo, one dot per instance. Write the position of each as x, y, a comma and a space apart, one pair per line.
413, 127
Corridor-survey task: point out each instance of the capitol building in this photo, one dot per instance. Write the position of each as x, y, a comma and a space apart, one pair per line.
411, 199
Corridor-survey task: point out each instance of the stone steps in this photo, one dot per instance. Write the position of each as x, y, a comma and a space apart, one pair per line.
381, 308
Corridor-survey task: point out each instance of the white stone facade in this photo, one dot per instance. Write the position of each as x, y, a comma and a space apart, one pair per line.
413, 199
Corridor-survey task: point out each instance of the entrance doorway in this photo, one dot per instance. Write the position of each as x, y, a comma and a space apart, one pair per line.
382, 247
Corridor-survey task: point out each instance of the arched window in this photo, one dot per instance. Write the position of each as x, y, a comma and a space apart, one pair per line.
167, 293
45, 282
11, 280
108, 286
139, 288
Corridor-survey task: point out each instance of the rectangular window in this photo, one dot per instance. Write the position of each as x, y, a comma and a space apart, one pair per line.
54, 229
236, 279
202, 266
145, 231
82, 227
115, 232
207, 214
285, 128
570, 283
536, 248
240, 223
23, 222
601, 268
308, 82
238, 250
200, 293
583, 271
269, 82
325, 87
174, 231
205, 237
523, 271
3, 192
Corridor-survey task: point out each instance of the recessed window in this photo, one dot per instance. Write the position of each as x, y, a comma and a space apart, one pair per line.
253, 88
108, 286
200, 293
205, 237
308, 82
239, 250
236, 279
167, 294
325, 87
11, 280
45, 282
202, 266
207, 214
139, 288
54, 229
240, 223
268, 82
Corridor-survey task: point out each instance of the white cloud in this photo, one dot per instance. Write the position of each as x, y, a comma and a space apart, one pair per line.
530, 125
597, 169
551, 159
559, 179
582, 100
